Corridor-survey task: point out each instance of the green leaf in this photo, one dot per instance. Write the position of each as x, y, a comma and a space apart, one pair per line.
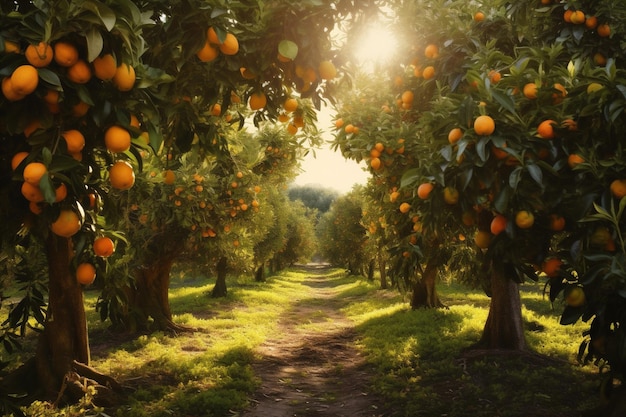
106, 15
288, 49
536, 173
49, 77
515, 177
410, 177
94, 44
505, 100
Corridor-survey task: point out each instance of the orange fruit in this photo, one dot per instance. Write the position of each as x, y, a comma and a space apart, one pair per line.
482, 239
604, 30
599, 59
327, 70
498, 224
65, 54
39, 55
104, 67
455, 135
51, 96
424, 189
212, 37
428, 72
35, 208
60, 193
551, 267
32, 193
121, 175
479, 17
208, 52
567, 16
290, 105
574, 159
450, 195
591, 22
17, 159
80, 72
375, 163
67, 224
257, 100
405, 207
557, 222
216, 109
408, 97
431, 51
577, 17
394, 196
230, 46
24, 79
11, 47
169, 177
575, 297
570, 124
292, 129
124, 78
530, 91
33, 172
117, 139
494, 76
524, 219
85, 273
484, 125
339, 123
80, 109
618, 188
545, 130
8, 92
103, 247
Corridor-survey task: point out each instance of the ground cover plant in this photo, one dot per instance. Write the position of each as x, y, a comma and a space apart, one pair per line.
415, 359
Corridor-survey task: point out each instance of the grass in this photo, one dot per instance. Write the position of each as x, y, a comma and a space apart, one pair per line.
417, 356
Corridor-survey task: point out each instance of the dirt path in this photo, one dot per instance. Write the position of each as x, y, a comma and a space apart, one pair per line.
312, 368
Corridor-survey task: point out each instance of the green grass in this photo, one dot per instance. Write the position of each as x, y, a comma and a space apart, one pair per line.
417, 356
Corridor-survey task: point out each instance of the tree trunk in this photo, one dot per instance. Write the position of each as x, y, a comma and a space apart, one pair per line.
504, 328
424, 290
382, 266
259, 275
370, 270
62, 354
220, 290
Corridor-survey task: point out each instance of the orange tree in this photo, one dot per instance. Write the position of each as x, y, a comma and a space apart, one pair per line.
520, 113
69, 130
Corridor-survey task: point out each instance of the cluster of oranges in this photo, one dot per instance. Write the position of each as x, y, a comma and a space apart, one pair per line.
213, 46
291, 115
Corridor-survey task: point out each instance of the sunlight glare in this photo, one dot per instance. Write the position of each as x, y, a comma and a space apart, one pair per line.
376, 45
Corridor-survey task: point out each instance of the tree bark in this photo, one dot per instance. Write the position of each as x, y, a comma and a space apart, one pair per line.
259, 275
424, 290
220, 290
382, 266
370, 270
504, 328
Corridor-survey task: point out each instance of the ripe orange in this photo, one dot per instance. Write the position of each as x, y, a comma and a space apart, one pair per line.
65, 54
482, 239
17, 159
216, 109
339, 123
24, 79
208, 52
575, 297
80, 109
557, 222
545, 130
455, 135
104, 67
498, 224
11, 47
450, 195
230, 46
479, 17
428, 72
60, 193
618, 188
85, 273
169, 177
599, 59
530, 91
80, 72
494, 76
394, 196
424, 189
327, 70
484, 125
604, 30
574, 159
124, 78
103, 247
431, 51
567, 16
117, 139
212, 37
32, 193
257, 100
121, 175
290, 105
33, 172
67, 224
8, 92
408, 97
375, 163
591, 22
51, 97
577, 17
405, 207
551, 267
39, 55
524, 219
292, 129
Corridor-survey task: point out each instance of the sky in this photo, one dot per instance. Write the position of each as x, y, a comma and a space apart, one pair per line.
328, 168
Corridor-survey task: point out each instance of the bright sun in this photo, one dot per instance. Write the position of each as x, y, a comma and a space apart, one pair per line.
375, 46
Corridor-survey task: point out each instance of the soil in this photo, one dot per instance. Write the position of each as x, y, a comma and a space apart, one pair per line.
312, 366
